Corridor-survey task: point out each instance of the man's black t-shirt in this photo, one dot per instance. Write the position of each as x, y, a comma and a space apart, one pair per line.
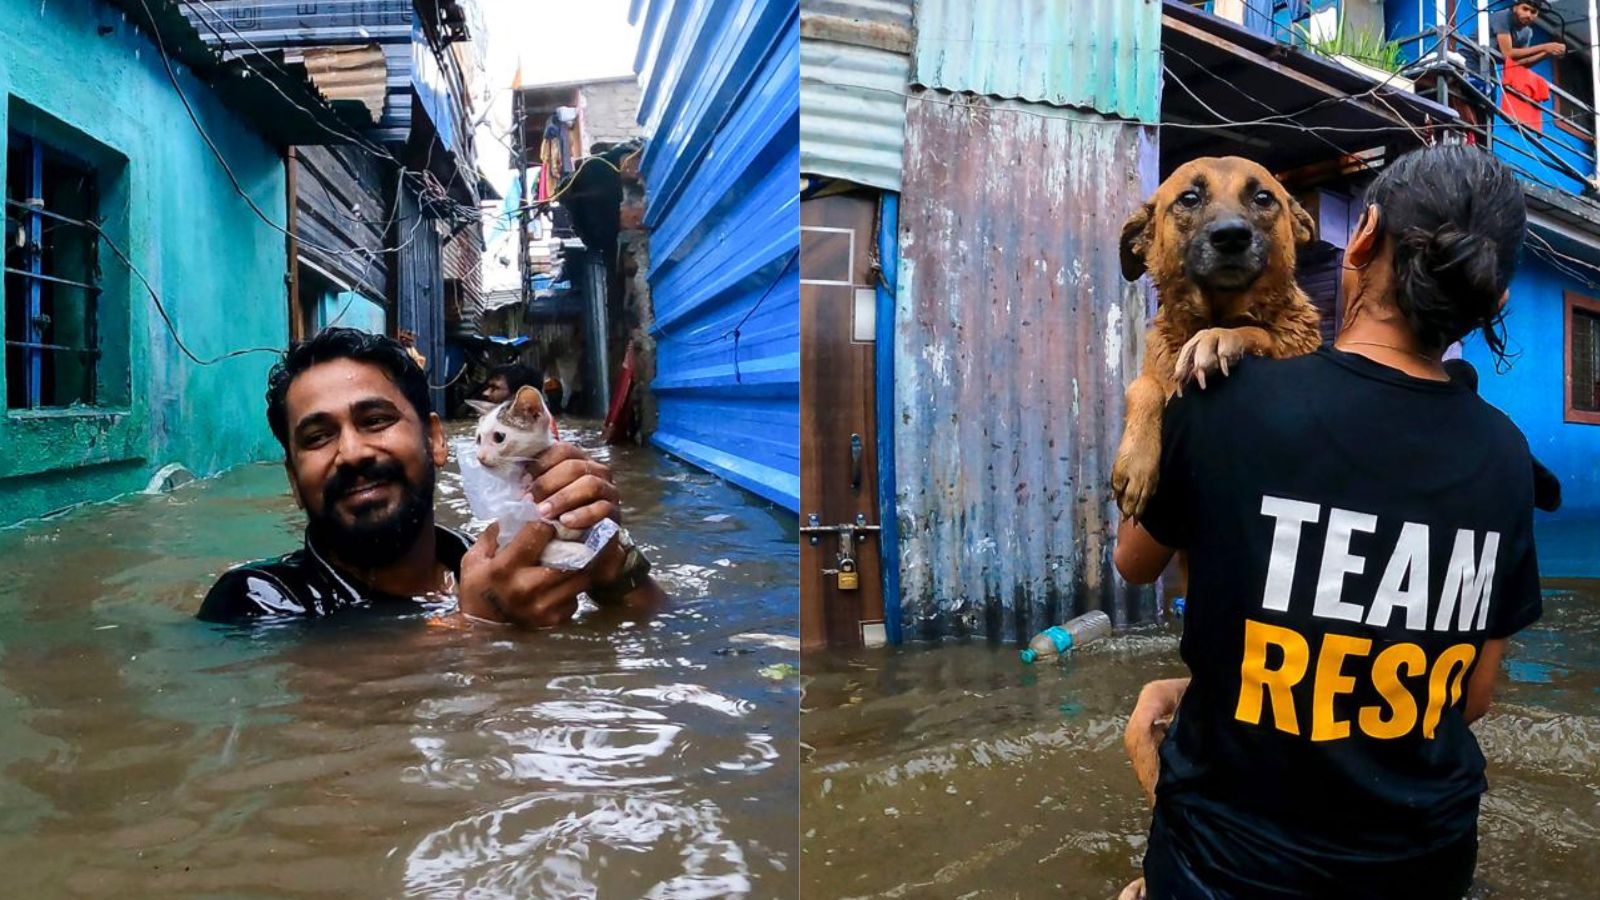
304, 584
1354, 535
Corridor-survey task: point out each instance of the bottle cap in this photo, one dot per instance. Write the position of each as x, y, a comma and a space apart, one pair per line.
1028, 656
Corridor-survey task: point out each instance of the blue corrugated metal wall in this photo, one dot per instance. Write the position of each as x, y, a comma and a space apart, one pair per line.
722, 172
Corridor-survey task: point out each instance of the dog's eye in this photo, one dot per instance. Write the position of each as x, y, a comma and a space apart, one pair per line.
1189, 199
499, 437
1265, 199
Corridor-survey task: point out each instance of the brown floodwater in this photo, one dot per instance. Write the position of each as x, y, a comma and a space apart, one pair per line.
957, 771
145, 754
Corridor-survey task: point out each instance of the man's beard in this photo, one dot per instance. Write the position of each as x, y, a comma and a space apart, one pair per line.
377, 541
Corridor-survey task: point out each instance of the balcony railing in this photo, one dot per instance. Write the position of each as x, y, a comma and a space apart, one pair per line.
1469, 76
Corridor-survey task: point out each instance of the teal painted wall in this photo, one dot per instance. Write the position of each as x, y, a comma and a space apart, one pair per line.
347, 309
218, 268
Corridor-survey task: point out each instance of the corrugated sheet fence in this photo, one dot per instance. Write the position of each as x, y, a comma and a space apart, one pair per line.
721, 170
855, 63
1015, 333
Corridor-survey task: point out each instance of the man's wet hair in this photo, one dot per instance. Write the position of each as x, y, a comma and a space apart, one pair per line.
1458, 218
331, 344
517, 376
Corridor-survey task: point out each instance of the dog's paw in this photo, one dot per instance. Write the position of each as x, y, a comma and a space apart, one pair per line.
1208, 352
1133, 480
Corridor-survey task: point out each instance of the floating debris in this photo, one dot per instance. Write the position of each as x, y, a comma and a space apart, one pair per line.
778, 672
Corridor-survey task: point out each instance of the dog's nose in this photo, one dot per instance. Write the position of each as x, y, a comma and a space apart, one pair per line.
1230, 235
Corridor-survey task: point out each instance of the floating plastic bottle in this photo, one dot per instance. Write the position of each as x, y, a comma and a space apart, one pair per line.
1058, 639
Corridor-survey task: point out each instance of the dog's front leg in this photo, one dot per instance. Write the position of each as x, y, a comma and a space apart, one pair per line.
1215, 349
1134, 475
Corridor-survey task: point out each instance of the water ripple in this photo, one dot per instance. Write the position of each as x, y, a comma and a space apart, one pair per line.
544, 845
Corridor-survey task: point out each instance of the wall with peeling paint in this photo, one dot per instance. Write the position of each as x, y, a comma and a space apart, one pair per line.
1015, 335
1014, 331
218, 268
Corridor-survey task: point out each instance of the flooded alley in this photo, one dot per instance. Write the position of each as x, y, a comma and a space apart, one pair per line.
143, 753
957, 771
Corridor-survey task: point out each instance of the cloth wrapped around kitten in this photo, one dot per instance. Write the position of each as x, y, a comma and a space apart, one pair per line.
495, 479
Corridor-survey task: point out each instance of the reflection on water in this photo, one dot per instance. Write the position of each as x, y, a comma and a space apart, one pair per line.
960, 772
145, 754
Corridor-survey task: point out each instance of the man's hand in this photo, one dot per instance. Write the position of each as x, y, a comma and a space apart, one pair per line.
573, 489
1555, 48
1147, 726
508, 584
576, 491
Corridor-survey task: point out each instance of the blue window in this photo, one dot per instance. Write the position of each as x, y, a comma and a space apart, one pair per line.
52, 277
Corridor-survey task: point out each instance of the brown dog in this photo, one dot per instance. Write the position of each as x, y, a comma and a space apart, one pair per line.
1218, 239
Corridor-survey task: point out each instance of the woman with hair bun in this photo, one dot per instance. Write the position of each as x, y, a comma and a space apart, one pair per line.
1359, 531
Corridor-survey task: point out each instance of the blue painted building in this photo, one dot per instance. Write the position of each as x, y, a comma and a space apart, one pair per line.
721, 114
1551, 387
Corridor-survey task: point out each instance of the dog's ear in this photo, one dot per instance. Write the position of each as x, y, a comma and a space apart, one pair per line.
1305, 227
1137, 233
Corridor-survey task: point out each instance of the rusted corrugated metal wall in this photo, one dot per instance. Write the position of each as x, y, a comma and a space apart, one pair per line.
1015, 335
855, 63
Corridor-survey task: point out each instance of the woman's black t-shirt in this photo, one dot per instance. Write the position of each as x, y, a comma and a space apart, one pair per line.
1354, 535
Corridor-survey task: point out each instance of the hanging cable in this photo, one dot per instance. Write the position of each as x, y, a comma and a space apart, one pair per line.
161, 308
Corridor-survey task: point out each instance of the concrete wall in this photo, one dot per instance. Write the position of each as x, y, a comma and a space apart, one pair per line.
610, 112
218, 268
1532, 393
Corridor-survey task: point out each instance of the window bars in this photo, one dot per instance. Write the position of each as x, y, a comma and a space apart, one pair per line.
52, 278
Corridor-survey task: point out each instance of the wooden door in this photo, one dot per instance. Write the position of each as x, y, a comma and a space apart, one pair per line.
838, 418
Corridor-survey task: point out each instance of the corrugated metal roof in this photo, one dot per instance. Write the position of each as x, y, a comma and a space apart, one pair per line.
347, 74
1014, 336
721, 171
853, 112
1103, 55
239, 29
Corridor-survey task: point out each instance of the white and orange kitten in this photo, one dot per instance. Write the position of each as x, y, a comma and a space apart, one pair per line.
509, 436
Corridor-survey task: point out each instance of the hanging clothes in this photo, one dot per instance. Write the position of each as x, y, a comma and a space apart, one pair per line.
567, 117
558, 138
549, 159
1524, 91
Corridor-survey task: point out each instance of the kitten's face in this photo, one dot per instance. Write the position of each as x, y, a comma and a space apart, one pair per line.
515, 431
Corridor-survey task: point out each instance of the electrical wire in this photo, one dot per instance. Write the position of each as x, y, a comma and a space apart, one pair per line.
737, 330
1545, 252
161, 308
233, 179
453, 379
360, 141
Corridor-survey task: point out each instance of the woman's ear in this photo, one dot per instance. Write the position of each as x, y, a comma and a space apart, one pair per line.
1365, 240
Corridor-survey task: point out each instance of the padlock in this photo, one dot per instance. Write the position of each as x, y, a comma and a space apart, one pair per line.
849, 578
